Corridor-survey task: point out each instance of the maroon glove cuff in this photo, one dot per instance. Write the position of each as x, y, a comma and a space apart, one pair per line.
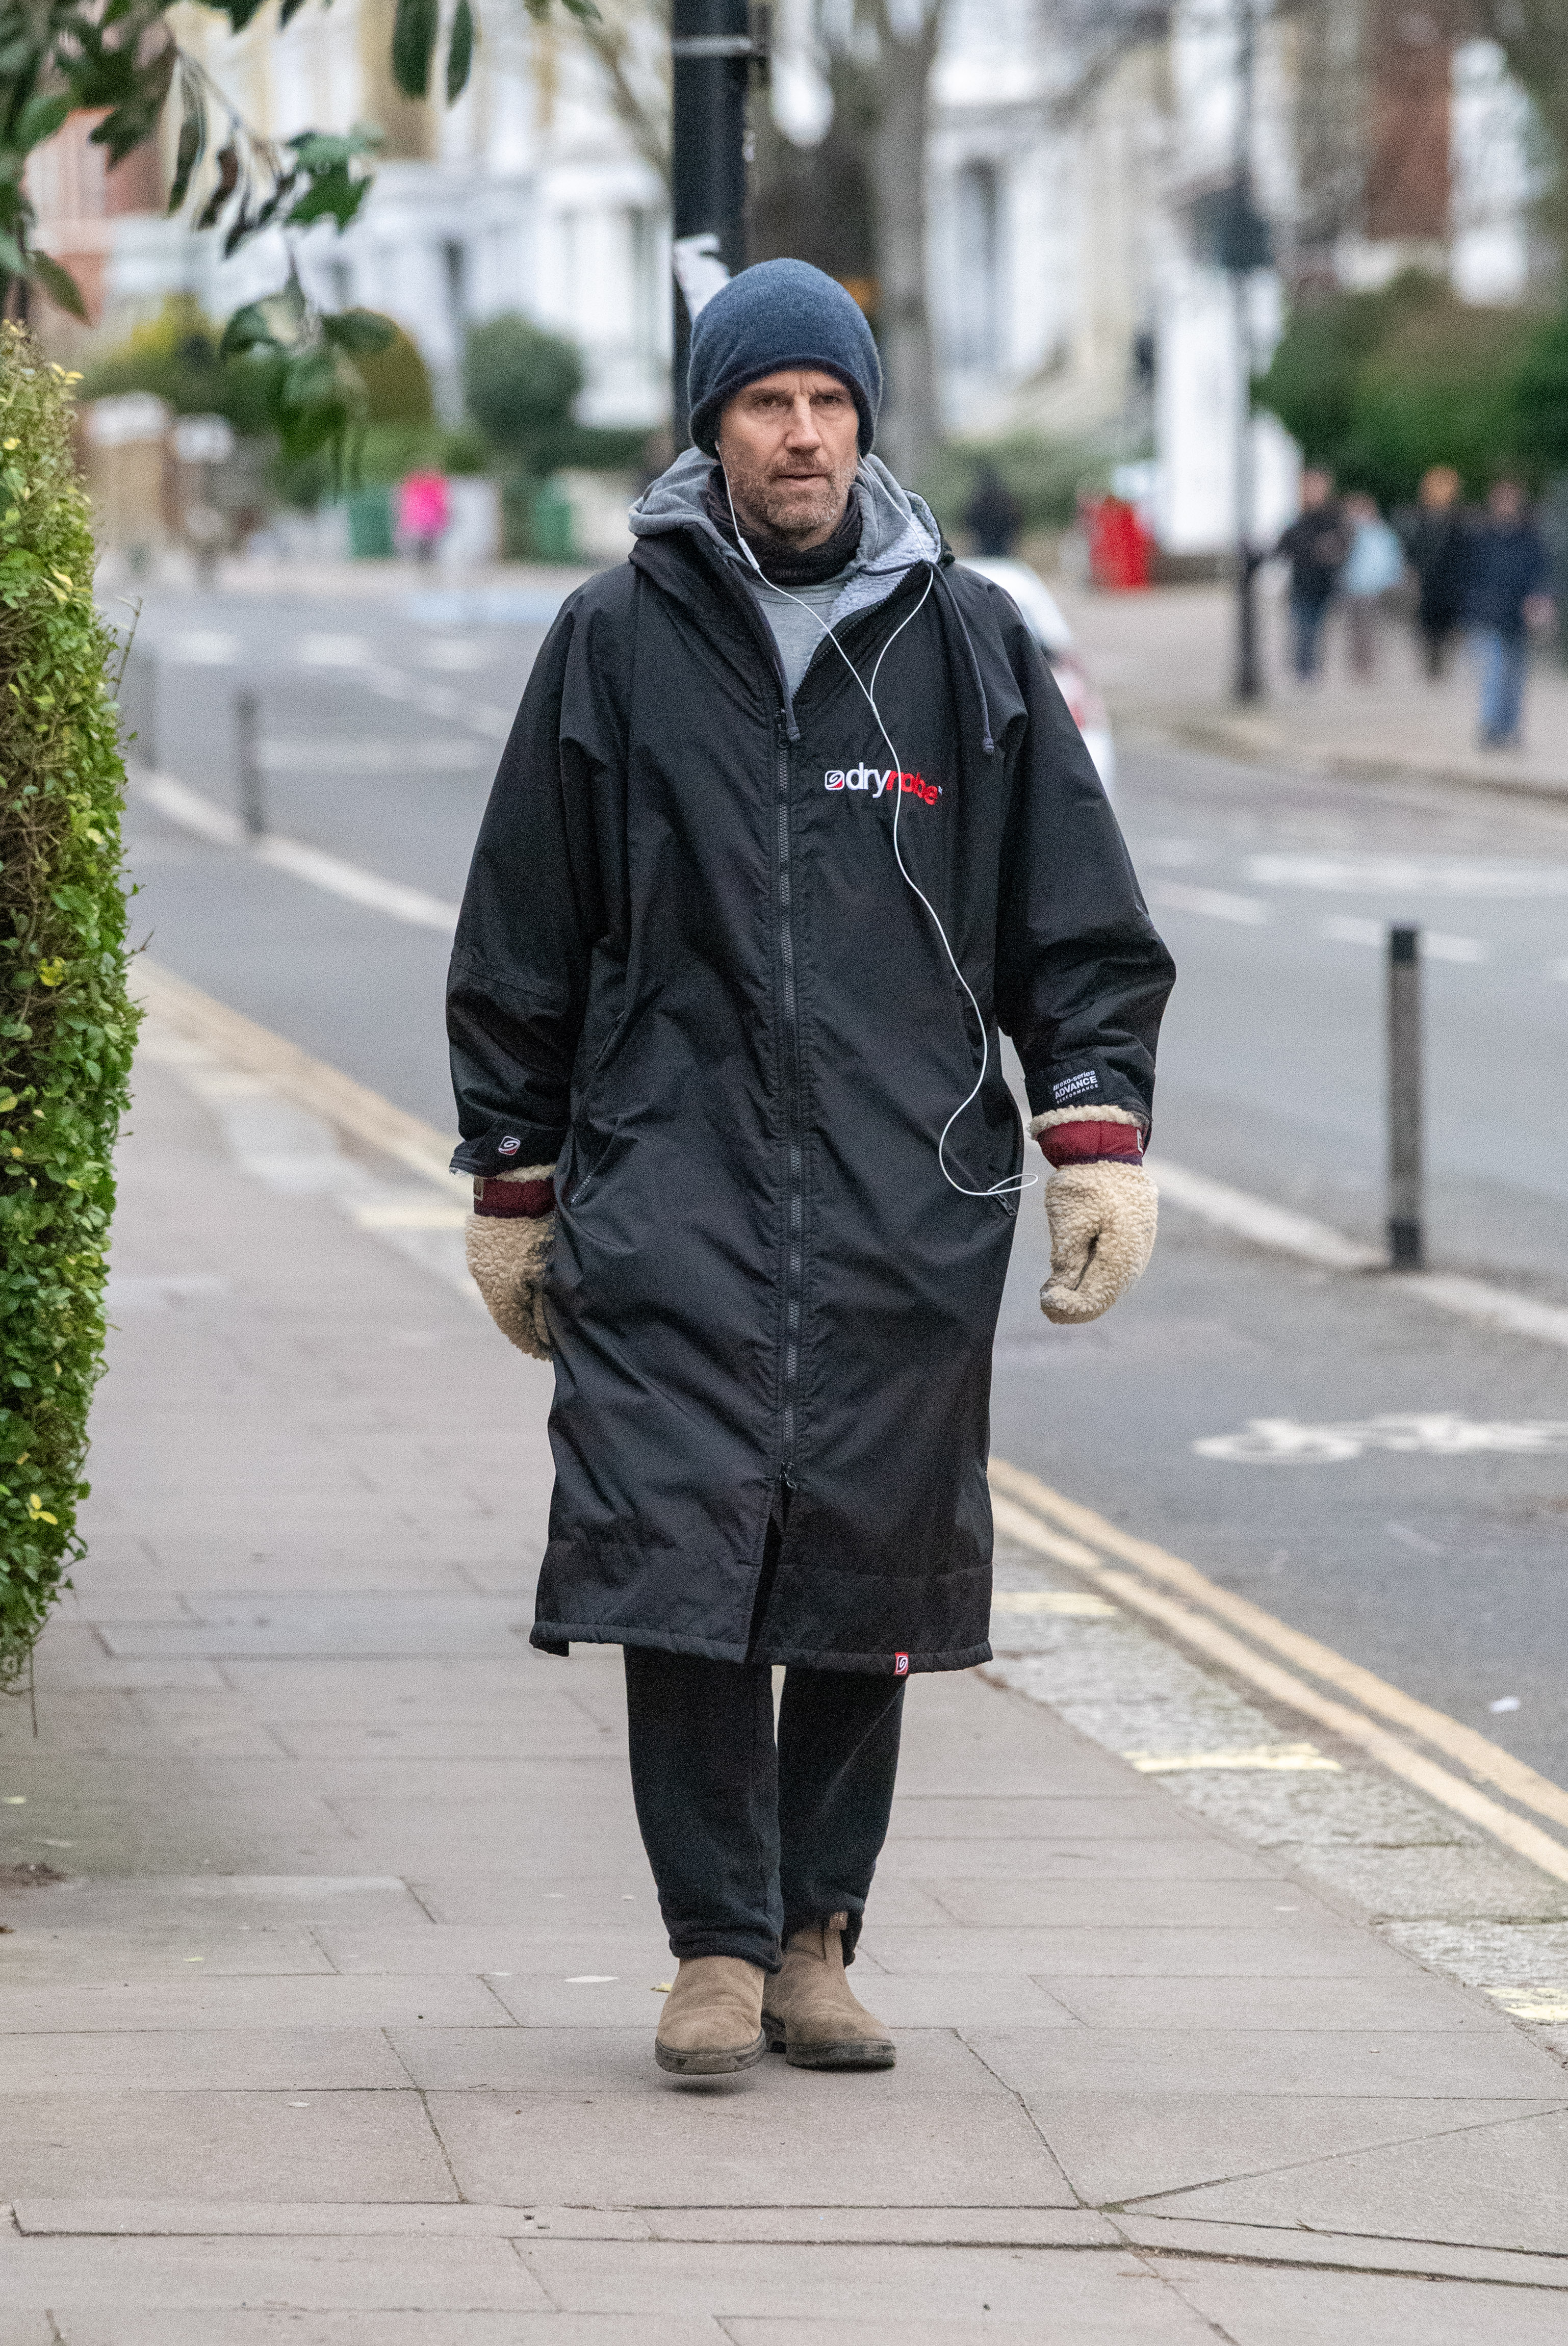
533, 1198
1086, 1142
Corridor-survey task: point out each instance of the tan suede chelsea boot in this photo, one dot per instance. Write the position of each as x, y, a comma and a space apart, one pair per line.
712, 2020
811, 2013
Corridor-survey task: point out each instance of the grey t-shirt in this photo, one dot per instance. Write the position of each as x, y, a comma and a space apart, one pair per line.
799, 632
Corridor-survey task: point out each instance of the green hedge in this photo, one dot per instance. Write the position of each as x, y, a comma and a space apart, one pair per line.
67, 1024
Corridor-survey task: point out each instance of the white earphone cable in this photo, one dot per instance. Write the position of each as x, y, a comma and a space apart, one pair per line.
1014, 1182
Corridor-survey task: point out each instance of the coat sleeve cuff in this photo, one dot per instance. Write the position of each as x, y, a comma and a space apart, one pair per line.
506, 1146
1089, 1083
1097, 1136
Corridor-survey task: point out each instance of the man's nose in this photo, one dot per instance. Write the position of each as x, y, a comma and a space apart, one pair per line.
803, 431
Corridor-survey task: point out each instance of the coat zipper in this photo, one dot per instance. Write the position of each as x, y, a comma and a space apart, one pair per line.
794, 1280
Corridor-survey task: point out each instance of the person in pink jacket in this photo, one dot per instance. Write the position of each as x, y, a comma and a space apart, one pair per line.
423, 511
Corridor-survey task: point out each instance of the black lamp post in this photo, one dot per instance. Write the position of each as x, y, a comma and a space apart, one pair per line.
711, 49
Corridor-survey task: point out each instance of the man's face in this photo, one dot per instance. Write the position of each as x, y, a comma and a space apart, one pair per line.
1314, 491
790, 444
1506, 501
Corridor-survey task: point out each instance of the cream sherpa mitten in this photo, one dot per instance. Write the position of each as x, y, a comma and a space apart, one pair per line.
508, 1255
1102, 1218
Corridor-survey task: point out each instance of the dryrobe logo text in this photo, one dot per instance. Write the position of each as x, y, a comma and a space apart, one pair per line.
875, 781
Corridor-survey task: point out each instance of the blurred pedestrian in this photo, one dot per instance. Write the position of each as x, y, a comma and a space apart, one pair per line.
993, 516
1373, 568
1436, 537
1315, 545
423, 512
1508, 577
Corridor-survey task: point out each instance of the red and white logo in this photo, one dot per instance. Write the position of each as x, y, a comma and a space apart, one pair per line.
875, 779
900, 1665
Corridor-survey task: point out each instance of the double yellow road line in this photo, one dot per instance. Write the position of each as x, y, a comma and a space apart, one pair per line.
1390, 1726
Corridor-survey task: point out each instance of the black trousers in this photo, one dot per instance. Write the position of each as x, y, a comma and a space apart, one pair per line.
751, 1840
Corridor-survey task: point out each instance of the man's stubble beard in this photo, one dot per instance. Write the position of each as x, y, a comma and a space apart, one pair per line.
780, 509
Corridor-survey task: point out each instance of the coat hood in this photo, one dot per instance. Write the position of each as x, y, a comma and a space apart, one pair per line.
898, 528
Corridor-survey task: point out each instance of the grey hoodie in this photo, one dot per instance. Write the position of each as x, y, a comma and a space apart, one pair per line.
897, 531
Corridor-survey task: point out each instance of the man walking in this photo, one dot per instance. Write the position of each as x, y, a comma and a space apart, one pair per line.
1436, 540
1508, 575
792, 826
1315, 545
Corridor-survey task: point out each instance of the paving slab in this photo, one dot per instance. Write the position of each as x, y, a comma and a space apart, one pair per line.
186, 2060
379, 2000
1271, 2308
114, 2277
255, 2146
264, 2328
774, 2143
1401, 2062
1118, 2149
1499, 2180
1109, 2296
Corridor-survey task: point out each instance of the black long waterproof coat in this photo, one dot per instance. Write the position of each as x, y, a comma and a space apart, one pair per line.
689, 969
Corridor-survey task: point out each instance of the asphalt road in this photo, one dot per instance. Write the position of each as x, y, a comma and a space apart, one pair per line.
1443, 1567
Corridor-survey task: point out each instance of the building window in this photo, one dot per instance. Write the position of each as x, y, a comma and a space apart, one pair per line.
976, 289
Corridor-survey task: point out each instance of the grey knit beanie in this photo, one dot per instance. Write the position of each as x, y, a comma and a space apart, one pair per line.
780, 313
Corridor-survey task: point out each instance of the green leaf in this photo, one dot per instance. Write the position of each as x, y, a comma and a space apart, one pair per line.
361, 332
279, 322
59, 283
40, 119
228, 180
332, 195
318, 150
192, 139
459, 52
414, 29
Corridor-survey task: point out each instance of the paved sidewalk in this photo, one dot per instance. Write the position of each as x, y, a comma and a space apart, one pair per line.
332, 1959
1165, 660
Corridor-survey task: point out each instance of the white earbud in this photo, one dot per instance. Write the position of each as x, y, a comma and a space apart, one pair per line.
1014, 1182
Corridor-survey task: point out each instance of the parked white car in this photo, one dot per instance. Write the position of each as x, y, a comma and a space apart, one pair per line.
1042, 615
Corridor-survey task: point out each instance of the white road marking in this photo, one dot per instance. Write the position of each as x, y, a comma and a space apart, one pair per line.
1436, 946
1078, 1603
1281, 1440
410, 1214
203, 647
1282, 1757
1256, 1218
1346, 929
365, 754
455, 654
1409, 874
1213, 903
332, 651
1491, 1307
1277, 1227
188, 808
1530, 2003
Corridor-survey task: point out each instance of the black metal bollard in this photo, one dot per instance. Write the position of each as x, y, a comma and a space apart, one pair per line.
248, 749
1407, 1242
147, 696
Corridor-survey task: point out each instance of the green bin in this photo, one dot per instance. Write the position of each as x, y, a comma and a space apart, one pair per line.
370, 525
